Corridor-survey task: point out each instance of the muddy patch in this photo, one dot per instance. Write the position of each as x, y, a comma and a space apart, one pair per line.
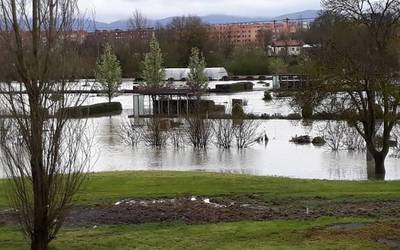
198, 210
347, 226
387, 234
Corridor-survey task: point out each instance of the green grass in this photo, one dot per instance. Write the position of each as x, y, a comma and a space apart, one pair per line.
292, 234
110, 187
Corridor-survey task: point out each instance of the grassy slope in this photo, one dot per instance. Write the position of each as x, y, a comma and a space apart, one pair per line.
110, 187
292, 234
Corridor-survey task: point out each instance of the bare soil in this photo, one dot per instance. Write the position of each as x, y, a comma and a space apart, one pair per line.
199, 210
387, 233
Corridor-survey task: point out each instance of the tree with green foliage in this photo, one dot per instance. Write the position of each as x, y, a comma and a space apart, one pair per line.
153, 71
198, 80
238, 112
108, 72
249, 61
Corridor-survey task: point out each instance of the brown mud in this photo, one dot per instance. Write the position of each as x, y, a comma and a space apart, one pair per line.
201, 210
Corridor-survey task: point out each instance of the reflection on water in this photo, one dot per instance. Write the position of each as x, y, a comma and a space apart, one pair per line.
278, 158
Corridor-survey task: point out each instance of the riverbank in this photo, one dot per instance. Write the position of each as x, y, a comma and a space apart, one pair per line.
198, 210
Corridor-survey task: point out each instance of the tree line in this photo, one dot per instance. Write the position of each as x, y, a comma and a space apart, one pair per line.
176, 41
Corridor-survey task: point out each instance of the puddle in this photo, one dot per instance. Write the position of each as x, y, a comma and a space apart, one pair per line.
347, 226
391, 242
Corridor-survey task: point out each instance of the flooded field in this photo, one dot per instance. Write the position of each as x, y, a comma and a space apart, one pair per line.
277, 158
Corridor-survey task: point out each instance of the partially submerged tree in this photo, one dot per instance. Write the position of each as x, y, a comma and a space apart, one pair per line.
198, 80
246, 133
47, 154
198, 131
108, 72
356, 64
224, 132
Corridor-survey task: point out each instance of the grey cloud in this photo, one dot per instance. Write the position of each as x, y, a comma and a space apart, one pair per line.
118, 9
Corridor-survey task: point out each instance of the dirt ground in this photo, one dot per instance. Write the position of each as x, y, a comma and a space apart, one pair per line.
198, 210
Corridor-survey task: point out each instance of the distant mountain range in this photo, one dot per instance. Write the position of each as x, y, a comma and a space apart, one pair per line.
307, 15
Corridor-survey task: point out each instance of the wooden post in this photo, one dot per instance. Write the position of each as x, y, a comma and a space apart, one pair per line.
158, 104
187, 104
150, 104
168, 104
177, 105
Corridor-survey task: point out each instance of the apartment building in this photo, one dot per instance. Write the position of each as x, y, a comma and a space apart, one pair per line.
249, 33
120, 35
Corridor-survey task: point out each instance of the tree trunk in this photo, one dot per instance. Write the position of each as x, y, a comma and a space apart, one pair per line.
379, 159
380, 170
39, 239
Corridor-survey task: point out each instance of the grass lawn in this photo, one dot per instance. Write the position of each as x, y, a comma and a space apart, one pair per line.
110, 187
292, 234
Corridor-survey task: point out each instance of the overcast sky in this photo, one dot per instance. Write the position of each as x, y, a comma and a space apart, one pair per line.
112, 10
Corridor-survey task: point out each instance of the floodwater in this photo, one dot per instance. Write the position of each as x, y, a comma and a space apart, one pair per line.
278, 158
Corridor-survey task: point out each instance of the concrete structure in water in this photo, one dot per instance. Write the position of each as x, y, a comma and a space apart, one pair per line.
289, 82
171, 103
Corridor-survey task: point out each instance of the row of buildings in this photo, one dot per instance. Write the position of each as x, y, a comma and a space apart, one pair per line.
237, 34
252, 33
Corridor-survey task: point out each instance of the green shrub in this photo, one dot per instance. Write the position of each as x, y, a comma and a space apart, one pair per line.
237, 112
307, 111
267, 96
246, 61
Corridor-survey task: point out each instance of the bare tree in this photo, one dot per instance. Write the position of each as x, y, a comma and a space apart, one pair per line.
198, 131
131, 133
154, 134
357, 60
265, 39
224, 132
246, 133
48, 154
353, 140
177, 137
138, 21
334, 133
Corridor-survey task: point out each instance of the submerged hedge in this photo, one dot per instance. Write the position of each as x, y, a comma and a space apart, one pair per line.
98, 109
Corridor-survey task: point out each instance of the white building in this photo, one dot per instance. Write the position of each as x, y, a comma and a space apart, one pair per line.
286, 47
182, 74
